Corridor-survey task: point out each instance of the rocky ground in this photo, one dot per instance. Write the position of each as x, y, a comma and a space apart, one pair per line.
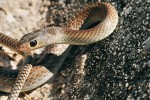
116, 68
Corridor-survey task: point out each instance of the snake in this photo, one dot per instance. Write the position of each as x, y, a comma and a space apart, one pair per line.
91, 24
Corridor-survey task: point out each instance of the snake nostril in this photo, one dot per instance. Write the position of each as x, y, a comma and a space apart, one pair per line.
20, 47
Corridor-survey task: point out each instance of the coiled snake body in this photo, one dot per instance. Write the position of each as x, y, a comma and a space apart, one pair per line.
92, 24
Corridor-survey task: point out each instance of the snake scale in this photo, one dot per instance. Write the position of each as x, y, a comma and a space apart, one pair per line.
91, 24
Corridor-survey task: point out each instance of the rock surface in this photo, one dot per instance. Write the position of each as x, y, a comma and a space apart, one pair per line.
117, 67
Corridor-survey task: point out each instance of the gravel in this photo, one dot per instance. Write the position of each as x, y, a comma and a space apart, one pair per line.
117, 67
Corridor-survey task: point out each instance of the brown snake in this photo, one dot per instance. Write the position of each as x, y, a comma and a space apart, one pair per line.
93, 23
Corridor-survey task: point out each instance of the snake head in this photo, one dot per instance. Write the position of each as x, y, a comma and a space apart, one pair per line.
32, 41
39, 38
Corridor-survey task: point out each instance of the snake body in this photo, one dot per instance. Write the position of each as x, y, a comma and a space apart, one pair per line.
38, 76
9, 42
95, 22
92, 24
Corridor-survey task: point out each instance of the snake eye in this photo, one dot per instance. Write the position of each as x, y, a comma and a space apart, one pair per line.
33, 43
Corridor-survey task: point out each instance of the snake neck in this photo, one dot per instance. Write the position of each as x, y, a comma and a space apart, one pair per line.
99, 21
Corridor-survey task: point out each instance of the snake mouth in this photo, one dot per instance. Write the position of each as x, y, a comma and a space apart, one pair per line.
23, 47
